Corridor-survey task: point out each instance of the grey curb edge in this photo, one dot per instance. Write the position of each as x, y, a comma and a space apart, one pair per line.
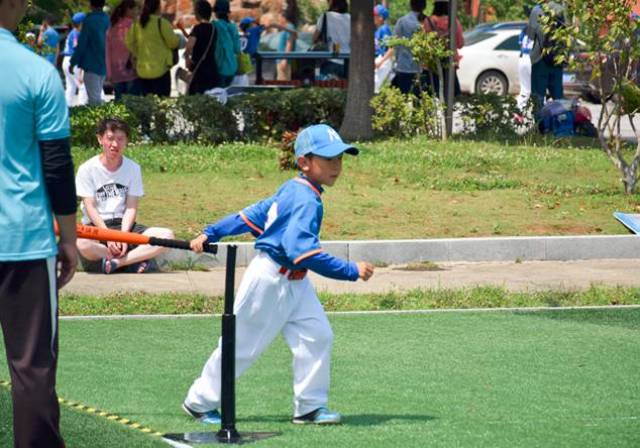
542, 248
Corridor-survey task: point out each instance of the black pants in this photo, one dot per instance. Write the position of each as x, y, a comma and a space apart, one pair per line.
545, 77
433, 83
157, 86
29, 319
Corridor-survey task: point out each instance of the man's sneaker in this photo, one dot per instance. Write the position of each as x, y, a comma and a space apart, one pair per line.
321, 416
209, 417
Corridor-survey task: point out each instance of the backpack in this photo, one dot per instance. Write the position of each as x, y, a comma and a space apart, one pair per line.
225, 55
551, 47
558, 117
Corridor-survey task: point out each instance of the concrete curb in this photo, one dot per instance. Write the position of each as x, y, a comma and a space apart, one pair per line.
539, 248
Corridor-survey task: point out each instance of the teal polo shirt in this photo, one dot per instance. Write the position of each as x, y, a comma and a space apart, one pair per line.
32, 109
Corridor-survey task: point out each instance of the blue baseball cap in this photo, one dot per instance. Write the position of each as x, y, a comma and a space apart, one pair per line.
380, 10
78, 18
247, 21
323, 141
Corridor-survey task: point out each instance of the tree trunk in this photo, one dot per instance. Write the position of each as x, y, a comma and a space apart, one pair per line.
442, 105
356, 124
630, 179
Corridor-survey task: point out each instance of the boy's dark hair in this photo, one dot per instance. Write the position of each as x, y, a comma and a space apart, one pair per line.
112, 124
202, 9
95, 4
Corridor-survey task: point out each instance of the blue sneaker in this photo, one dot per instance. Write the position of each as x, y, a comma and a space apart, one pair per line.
321, 416
209, 417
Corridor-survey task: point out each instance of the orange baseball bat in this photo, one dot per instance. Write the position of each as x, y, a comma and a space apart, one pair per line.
100, 234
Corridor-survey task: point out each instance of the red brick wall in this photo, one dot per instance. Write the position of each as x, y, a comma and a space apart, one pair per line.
239, 8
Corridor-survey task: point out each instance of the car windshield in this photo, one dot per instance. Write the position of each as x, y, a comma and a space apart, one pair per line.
475, 36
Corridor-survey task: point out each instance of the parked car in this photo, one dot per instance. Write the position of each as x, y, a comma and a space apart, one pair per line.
488, 26
490, 64
489, 61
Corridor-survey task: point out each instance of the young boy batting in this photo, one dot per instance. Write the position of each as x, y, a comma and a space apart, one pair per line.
275, 295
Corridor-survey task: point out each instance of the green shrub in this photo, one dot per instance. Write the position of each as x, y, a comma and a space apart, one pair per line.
84, 120
202, 119
397, 114
270, 114
153, 115
205, 120
490, 115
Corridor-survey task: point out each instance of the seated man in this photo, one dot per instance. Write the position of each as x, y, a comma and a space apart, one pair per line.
110, 186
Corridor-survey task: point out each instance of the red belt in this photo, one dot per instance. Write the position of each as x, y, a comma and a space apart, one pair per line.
293, 274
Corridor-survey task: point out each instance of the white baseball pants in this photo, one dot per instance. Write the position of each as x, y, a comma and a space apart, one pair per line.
268, 303
524, 72
382, 74
75, 91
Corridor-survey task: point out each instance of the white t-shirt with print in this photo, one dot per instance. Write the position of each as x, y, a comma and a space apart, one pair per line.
109, 188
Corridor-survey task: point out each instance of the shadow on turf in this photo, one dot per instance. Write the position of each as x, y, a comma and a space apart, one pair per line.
350, 419
626, 318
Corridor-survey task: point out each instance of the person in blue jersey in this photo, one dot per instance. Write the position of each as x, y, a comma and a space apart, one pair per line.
384, 54
383, 30
36, 183
275, 295
48, 40
75, 92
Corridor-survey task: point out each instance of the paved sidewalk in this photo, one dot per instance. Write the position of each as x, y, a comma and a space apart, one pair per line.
526, 276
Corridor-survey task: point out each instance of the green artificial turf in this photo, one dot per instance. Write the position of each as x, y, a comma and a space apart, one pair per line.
500, 379
80, 430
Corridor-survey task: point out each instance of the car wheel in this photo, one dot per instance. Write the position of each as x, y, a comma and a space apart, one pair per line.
492, 82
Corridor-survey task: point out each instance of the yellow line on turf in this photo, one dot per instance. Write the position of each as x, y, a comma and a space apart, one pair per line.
100, 413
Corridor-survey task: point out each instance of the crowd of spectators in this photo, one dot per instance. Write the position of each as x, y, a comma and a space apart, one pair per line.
135, 49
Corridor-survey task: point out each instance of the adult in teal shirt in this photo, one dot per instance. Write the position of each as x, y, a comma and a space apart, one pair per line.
36, 181
90, 54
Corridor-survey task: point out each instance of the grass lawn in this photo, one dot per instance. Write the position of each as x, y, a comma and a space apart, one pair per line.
418, 299
458, 379
396, 189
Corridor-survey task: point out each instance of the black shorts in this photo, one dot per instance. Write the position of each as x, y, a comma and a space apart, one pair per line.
115, 224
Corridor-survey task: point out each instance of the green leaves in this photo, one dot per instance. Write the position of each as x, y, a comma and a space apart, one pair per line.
84, 120
400, 115
427, 48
